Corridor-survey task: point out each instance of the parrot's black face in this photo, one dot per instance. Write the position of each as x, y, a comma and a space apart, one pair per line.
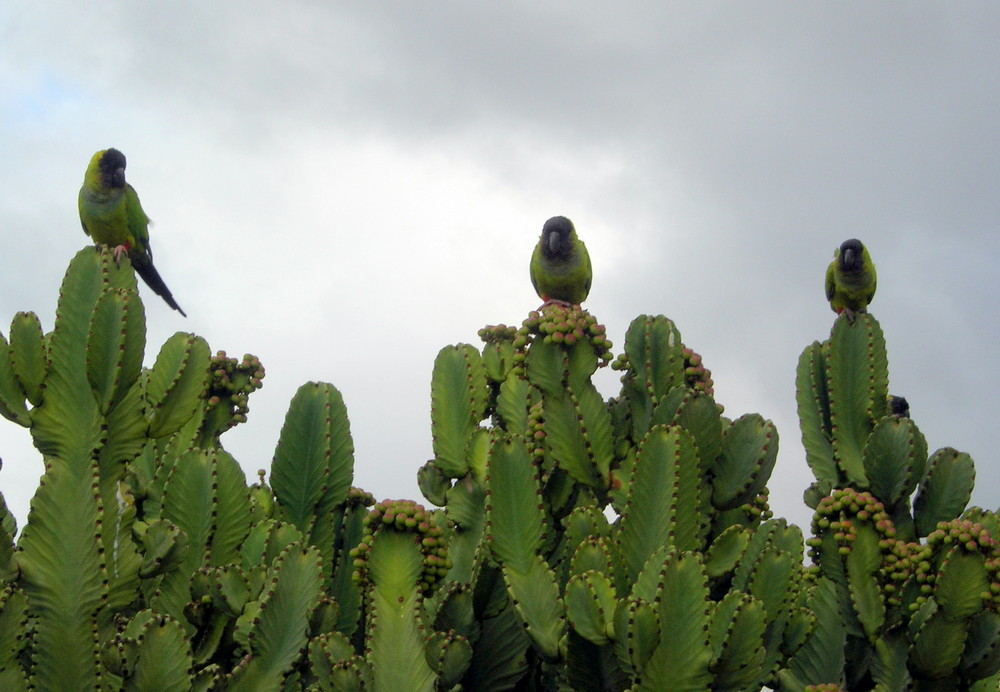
851, 252
557, 238
113, 169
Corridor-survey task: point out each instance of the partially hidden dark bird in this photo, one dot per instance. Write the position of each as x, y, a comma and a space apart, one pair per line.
850, 279
111, 214
560, 264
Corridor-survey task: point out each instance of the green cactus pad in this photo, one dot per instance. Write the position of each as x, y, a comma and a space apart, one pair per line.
12, 394
115, 345
664, 479
749, 452
590, 606
314, 460
176, 382
857, 384
458, 403
945, 491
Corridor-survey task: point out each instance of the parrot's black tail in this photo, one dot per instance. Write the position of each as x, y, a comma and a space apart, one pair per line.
152, 278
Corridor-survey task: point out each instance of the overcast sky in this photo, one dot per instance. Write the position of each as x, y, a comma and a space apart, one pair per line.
342, 191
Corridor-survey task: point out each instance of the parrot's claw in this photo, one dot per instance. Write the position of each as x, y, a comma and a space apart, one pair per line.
120, 250
552, 301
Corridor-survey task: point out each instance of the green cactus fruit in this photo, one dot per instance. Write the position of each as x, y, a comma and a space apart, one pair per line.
230, 385
696, 375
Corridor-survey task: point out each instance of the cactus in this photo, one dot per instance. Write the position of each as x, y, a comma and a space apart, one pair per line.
913, 582
691, 586
580, 543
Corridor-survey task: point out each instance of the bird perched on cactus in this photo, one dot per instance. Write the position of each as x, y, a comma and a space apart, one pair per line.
560, 264
111, 214
850, 279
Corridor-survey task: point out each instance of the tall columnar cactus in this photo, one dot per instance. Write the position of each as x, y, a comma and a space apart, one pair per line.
884, 558
689, 587
582, 543
147, 562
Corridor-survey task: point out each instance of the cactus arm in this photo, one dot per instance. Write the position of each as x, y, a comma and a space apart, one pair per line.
394, 637
749, 451
894, 459
116, 341
862, 562
664, 480
314, 460
513, 403
231, 508
459, 395
12, 394
590, 606
858, 386
821, 658
515, 525
937, 645
28, 356
945, 491
682, 657
814, 413
736, 633
158, 654
64, 578
466, 509
655, 357
277, 630
578, 433
177, 381
13, 621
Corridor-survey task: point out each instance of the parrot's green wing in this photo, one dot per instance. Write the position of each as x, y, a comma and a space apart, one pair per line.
831, 280
138, 222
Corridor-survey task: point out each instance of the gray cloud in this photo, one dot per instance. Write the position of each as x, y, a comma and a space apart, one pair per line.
344, 190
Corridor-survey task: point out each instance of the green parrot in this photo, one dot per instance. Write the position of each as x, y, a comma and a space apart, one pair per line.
111, 214
560, 264
850, 279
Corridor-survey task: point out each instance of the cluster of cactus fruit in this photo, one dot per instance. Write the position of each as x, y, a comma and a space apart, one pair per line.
575, 543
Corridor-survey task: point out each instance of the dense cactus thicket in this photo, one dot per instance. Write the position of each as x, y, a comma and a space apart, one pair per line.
567, 541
